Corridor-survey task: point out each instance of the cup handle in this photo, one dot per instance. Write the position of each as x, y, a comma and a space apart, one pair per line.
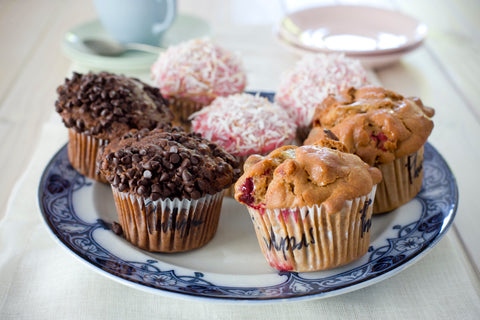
160, 27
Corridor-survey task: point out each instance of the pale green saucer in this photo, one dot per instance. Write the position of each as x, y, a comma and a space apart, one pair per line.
184, 28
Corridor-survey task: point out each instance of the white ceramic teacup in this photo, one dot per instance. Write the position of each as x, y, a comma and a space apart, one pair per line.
138, 21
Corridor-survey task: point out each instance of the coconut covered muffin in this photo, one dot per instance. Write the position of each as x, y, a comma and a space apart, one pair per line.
168, 187
195, 72
245, 124
386, 130
311, 80
311, 206
98, 107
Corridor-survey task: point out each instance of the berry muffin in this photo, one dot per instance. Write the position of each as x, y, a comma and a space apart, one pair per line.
98, 107
311, 206
312, 79
386, 130
193, 73
168, 187
244, 124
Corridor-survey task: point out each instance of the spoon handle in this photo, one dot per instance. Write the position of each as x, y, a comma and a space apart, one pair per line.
143, 47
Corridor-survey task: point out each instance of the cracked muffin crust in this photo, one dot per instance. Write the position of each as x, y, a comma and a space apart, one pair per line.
378, 125
309, 175
386, 130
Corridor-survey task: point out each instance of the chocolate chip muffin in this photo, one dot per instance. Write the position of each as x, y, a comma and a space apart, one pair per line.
98, 107
311, 206
386, 130
168, 187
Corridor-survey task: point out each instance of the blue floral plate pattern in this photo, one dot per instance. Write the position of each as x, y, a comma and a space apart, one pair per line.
79, 213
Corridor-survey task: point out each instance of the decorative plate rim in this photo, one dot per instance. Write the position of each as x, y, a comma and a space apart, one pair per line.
436, 218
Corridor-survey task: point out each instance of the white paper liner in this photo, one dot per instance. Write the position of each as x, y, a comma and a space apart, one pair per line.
402, 180
168, 225
310, 239
82, 153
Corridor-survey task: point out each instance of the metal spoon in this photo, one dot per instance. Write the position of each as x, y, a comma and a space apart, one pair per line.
111, 48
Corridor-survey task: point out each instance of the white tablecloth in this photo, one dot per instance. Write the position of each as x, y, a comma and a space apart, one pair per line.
41, 280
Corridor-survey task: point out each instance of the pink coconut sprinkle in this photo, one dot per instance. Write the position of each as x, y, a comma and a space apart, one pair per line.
244, 124
313, 78
199, 70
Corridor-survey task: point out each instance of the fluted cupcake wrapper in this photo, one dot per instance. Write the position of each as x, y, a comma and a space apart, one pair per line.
402, 180
310, 239
182, 109
82, 152
168, 225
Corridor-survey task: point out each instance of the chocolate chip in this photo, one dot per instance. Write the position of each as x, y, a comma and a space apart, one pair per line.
156, 188
147, 165
126, 159
117, 228
330, 134
186, 176
141, 190
147, 174
165, 176
174, 158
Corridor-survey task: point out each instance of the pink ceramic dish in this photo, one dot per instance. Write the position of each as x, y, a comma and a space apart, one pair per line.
351, 30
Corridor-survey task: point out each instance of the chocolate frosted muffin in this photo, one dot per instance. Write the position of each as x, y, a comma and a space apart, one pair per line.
386, 130
168, 187
98, 107
311, 206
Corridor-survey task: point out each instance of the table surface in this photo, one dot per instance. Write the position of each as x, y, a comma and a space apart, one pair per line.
443, 72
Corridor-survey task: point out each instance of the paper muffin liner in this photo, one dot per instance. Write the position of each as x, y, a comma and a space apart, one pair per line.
82, 152
310, 239
168, 225
402, 180
182, 108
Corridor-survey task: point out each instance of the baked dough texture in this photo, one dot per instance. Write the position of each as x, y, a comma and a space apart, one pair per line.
378, 125
293, 176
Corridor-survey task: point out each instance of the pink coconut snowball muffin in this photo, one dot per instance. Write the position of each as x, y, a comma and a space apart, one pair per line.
311, 80
193, 73
245, 124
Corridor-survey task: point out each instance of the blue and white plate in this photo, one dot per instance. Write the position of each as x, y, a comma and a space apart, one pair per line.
79, 212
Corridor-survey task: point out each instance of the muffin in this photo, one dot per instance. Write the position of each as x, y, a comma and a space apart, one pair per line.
311, 80
311, 206
244, 124
193, 73
168, 187
98, 107
386, 130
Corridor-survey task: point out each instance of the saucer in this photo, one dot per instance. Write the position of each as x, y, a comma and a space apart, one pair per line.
185, 27
350, 29
369, 61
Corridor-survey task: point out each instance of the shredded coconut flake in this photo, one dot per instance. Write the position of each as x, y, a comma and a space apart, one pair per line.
313, 78
198, 69
244, 124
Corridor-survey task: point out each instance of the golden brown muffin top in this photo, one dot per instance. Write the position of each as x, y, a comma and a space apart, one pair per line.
106, 105
293, 176
378, 125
